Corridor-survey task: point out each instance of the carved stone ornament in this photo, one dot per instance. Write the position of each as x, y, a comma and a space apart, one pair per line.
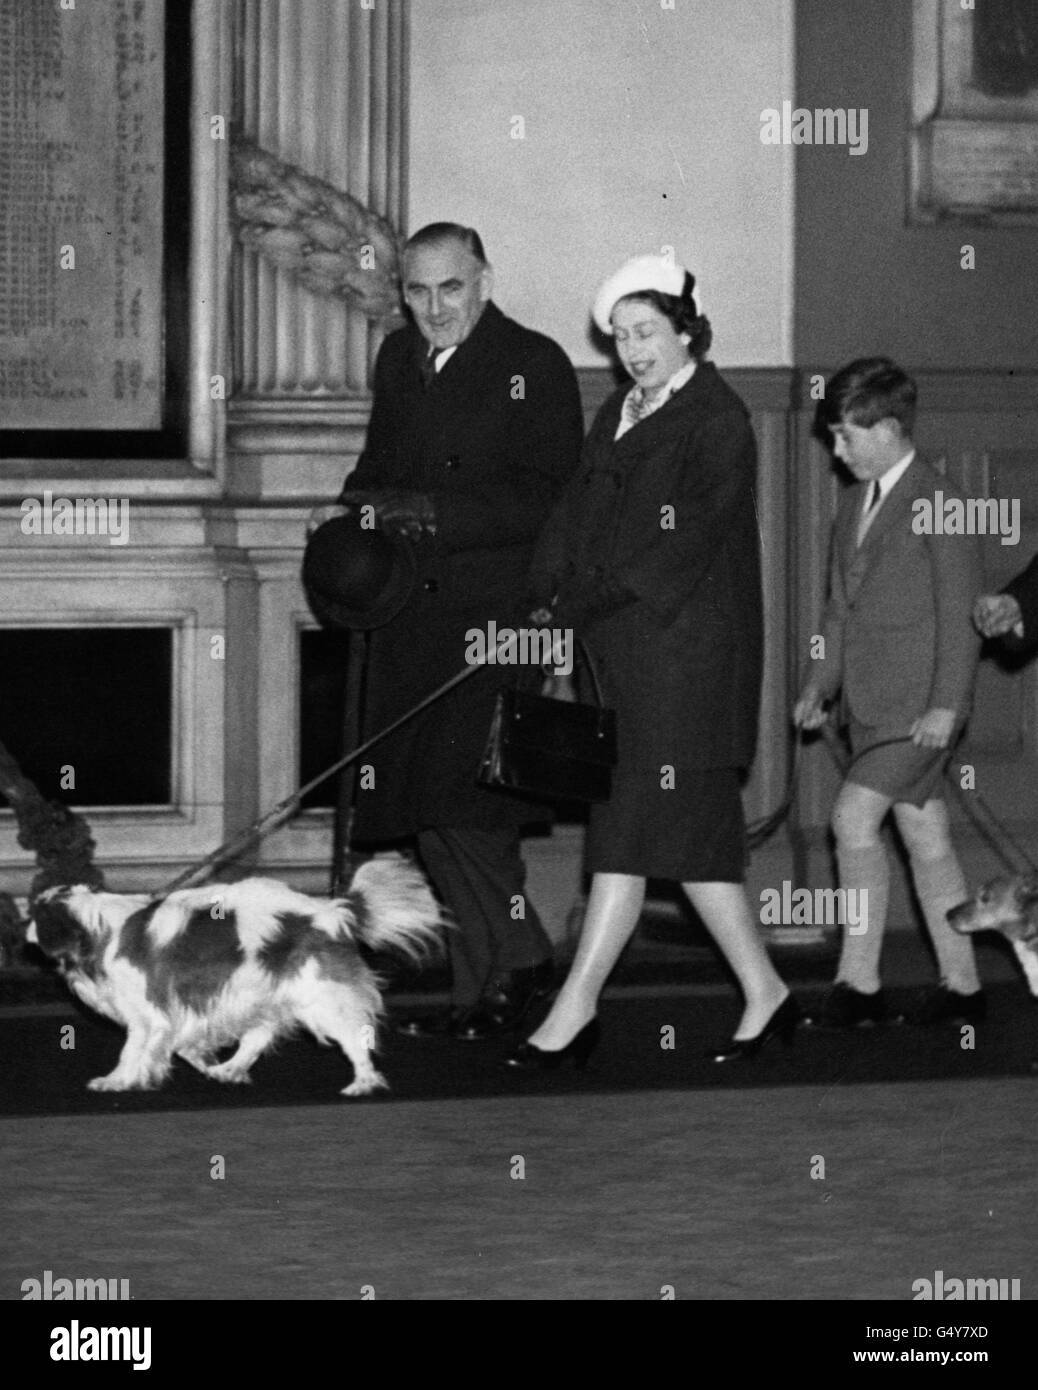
325, 238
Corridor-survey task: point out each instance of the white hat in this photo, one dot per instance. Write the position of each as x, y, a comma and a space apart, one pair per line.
639, 273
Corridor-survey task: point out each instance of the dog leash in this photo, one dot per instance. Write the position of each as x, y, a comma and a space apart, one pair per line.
970, 801
287, 808
967, 800
760, 830
757, 832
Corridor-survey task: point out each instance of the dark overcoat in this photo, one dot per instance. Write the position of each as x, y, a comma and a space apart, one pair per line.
493, 440
669, 511
1024, 588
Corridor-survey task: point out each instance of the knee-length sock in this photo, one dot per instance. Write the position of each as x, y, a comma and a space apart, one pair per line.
941, 885
865, 871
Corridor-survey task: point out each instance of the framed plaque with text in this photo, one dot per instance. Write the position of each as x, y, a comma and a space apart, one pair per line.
94, 228
974, 138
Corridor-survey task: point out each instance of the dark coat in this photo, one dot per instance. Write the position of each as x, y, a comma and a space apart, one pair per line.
1024, 588
493, 440
681, 664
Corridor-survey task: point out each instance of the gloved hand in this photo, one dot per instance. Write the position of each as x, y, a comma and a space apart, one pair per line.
582, 607
320, 515
398, 511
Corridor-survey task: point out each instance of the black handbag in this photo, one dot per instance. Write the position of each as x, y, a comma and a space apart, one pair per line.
551, 749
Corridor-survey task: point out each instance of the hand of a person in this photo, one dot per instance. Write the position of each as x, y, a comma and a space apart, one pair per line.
540, 617
809, 710
996, 614
934, 728
396, 510
320, 515
582, 607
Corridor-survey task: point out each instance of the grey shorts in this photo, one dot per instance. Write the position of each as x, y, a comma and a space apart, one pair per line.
900, 770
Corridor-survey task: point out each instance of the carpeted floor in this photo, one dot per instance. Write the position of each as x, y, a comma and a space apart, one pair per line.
791, 1193
655, 1174
652, 1041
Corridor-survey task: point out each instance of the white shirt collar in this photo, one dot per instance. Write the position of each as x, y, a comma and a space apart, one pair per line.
891, 477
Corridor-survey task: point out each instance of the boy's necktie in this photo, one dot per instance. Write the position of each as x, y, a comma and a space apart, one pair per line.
871, 503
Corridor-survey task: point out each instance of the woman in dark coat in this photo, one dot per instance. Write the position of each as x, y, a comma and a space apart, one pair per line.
652, 557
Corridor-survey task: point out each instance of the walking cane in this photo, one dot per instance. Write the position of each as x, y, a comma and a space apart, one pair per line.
342, 838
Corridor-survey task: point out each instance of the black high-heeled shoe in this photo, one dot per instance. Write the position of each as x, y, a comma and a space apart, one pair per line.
782, 1024
528, 1057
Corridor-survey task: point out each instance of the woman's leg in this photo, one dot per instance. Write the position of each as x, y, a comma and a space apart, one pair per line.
726, 911
863, 866
613, 908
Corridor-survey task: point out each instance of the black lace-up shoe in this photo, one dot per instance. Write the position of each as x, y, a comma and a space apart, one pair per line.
944, 1005
507, 1003
433, 1023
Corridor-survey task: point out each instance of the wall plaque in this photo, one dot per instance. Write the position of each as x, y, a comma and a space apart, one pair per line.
974, 139
82, 120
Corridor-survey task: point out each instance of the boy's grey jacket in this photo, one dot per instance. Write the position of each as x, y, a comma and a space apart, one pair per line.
899, 636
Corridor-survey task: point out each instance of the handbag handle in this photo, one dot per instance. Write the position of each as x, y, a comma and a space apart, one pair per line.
596, 686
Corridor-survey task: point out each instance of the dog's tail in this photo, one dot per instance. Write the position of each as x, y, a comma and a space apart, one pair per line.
391, 908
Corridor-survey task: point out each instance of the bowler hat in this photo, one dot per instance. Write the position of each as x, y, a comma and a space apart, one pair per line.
357, 577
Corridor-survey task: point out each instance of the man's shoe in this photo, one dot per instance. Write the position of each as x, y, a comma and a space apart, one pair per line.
486, 1020
845, 1007
436, 1023
944, 1005
508, 1004
526, 986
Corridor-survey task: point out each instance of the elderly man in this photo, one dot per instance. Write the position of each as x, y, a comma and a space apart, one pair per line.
475, 428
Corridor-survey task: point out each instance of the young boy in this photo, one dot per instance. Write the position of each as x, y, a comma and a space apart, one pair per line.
901, 650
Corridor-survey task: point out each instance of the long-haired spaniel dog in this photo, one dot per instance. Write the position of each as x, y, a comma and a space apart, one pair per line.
245, 963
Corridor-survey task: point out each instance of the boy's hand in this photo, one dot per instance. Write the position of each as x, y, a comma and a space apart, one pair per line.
996, 614
809, 710
934, 729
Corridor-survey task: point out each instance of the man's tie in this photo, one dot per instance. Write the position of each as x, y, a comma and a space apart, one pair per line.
427, 368
873, 497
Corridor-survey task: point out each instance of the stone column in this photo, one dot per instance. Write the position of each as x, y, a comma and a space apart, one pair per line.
321, 85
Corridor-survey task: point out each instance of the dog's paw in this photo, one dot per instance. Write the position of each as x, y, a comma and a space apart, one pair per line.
228, 1074
366, 1085
199, 1060
112, 1082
